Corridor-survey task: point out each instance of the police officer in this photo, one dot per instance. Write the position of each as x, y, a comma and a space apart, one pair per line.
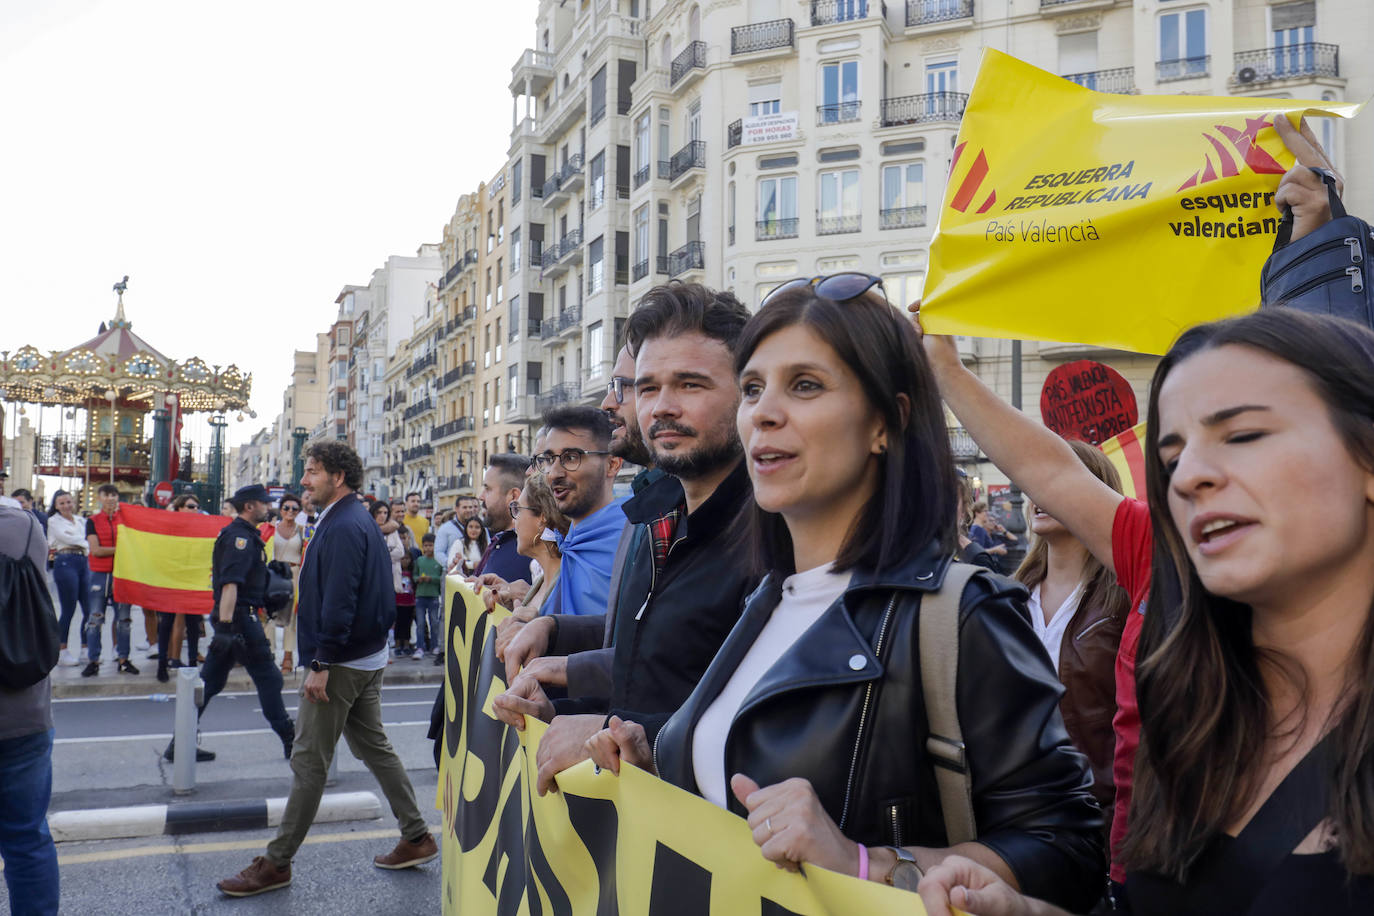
239, 578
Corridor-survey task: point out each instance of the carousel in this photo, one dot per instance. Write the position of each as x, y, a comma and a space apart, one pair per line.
105, 390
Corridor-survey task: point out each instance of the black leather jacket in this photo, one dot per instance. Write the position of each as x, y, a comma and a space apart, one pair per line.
1031, 794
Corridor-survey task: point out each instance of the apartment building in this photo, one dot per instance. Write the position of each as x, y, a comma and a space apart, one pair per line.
333, 422
414, 406
454, 435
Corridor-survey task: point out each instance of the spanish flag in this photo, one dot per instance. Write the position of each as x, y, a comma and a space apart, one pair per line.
1126, 452
162, 559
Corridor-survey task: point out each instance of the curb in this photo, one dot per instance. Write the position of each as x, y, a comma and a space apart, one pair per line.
66, 688
174, 820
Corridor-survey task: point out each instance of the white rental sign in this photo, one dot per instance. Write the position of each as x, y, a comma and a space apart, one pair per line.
770, 127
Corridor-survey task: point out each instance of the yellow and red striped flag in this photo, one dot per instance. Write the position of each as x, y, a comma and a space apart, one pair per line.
162, 559
1126, 451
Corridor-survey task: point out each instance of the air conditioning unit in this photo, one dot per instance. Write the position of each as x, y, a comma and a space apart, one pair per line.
1246, 75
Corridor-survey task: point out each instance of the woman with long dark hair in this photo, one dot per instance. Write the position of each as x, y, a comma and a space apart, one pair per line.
1255, 777
812, 719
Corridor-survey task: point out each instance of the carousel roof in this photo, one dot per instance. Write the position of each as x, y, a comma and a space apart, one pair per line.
118, 359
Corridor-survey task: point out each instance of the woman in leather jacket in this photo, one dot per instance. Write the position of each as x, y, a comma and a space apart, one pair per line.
1079, 611
816, 694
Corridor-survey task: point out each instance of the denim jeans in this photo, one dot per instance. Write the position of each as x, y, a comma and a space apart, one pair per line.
25, 845
428, 626
244, 642
98, 595
72, 574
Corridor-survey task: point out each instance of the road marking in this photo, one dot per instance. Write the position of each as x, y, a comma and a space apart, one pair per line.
232, 733
164, 849
246, 693
384, 705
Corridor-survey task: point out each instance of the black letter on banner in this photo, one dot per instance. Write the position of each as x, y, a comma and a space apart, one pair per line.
510, 844
541, 875
597, 825
457, 636
681, 887
769, 908
492, 741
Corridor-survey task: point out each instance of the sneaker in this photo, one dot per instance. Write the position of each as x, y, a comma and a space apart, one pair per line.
418, 654
438, 659
408, 854
162, 675
154, 653
91, 669
257, 878
126, 667
67, 659
202, 755
142, 646
85, 655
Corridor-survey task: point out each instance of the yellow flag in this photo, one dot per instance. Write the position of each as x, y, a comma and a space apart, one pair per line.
1115, 220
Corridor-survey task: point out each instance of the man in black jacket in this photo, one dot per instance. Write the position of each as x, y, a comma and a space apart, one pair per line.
346, 604
683, 590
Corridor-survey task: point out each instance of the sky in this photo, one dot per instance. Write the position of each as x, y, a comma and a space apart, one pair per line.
239, 162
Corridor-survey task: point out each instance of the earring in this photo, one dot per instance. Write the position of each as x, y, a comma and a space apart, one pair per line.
882, 449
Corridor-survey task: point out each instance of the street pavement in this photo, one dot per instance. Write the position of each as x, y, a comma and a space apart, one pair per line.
108, 753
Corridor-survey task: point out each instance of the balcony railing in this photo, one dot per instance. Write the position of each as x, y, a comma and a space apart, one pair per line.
421, 364
551, 187
469, 257
827, 12
419, 407
571, 242
550, 258
570, 168
920, 109
393, 435
468, 314
838, 225
532, 327
693, 57
451, 376
691, 256
557, 396
1183, 68
762, 36
838, 112
1120, 80
641, 270
734, 134
423, 450
396, 469
451, 428
641, 175
663, 168
468, 368
452, 273
691, 156
768, 229
901, 217
536, 254
961, 443
597, 115
924, 12
1289, 62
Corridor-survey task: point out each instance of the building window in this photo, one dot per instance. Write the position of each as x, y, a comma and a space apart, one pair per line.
903, 196
596, 348
839, 202
1183, 44
596, 181
1078, 57
777, 211
765, 98
513, 387
596, 254
486, 349
840, 92
942, 76
643, 156
641, 243
516, 172
499, 338
515, 250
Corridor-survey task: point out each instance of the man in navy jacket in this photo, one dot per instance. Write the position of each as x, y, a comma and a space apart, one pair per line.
345, 607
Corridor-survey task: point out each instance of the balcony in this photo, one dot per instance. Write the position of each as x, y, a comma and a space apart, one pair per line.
570, 319
564, 111
570, 176
641, 270
421, 364
661, 264
928, 12
396, 469
691, 256
536, 254
451, 274
768, 229
762, 36
557, 396
691, 156
534, 67
838, 112
829, 12
734, 133
838, 225
962, 445
641, 176
393, 435
549, 263
1119, 80
571, 245
418, 408
598, 114
470, 258
423, 450
1184, 68
467, 368
923, 109
450, 429
901, 217
532, 326
692, 58
1298, 61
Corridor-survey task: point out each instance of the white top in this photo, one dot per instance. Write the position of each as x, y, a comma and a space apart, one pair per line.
805, 596
1052, 634
63, 534
374, 662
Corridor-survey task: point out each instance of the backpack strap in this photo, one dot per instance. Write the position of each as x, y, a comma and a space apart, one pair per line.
938, 646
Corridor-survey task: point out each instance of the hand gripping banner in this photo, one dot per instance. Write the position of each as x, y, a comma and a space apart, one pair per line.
1114, 220
630, 845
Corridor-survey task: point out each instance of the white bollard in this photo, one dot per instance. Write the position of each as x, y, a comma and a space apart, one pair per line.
184, 738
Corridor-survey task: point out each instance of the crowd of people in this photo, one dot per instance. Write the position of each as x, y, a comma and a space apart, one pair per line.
796, 611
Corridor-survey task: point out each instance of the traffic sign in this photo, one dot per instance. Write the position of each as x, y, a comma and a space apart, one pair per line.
163, 493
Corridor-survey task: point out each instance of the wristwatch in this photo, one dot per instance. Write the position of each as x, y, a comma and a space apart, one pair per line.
906, 874
317, 665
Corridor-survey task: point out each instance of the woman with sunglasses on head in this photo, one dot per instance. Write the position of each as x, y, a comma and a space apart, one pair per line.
812, 719
288, 546
1255, 777
535, 515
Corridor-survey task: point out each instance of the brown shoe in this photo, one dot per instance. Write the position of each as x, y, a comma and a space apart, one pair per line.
408, 854
257, 878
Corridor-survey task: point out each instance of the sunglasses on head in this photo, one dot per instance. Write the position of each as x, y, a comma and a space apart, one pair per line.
839, 287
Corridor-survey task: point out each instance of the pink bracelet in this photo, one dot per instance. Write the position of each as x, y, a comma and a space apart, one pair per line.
863, 862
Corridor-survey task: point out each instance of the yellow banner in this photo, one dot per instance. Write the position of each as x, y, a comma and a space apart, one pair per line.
1114, 220
629, 845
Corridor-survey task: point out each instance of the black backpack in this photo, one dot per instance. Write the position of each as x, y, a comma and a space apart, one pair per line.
29, 640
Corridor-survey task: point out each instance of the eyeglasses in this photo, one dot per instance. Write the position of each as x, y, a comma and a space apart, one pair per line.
515, 508
839, 287
290, 508
570, 458
617, 385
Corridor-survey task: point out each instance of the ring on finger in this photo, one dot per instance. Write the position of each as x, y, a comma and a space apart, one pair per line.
768, 822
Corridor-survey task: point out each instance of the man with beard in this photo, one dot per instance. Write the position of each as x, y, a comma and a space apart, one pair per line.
580, 470
683, 588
